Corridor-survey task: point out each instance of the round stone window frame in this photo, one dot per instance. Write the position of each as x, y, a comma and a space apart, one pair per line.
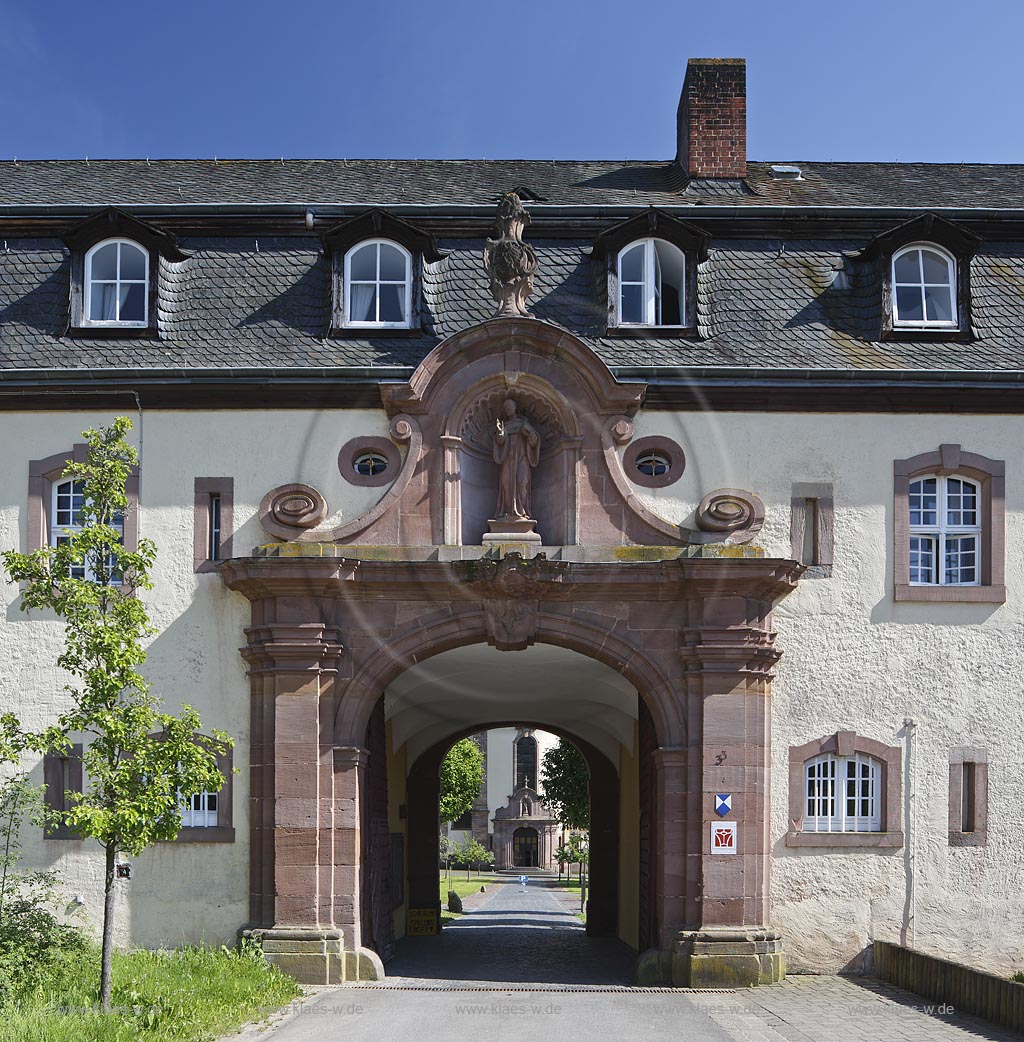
356, 447
666, 447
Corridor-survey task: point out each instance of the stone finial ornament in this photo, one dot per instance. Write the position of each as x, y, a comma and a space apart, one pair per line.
508, 261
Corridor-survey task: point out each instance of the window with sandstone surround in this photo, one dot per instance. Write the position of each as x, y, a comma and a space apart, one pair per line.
212, 521
845, 791
811, 527
53, 501
949, 525
968, 797
206, 817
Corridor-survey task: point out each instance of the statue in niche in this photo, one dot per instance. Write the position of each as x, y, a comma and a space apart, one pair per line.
517, 452
508, 261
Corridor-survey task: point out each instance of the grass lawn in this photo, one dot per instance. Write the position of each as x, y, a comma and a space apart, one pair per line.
464, 888
572, 884
194, 994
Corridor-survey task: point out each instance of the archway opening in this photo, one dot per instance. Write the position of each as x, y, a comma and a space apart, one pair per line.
507, 932
525, 847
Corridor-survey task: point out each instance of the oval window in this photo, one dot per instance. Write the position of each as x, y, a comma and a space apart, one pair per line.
370, 464
653, 464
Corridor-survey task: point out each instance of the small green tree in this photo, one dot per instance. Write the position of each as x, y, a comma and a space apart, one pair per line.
565, 785
138, 761
462, 774
472, 852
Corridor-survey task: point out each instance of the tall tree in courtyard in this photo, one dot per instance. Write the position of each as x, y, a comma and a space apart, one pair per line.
565, 785
462, 774
137, 760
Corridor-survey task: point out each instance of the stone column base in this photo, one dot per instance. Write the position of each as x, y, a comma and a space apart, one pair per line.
316, 956
716, 958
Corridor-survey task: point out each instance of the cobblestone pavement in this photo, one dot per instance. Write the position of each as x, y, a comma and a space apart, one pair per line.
557, 983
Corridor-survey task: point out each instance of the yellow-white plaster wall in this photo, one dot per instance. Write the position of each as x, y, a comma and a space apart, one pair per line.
854, 659
187, 891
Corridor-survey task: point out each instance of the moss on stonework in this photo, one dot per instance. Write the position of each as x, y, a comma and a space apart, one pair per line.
624, 554
668, 553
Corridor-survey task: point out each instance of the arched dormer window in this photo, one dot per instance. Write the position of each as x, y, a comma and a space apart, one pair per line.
376, 262
115, 263
923, 268
652, 264
117, 284
652, 284
924, 287
378, 285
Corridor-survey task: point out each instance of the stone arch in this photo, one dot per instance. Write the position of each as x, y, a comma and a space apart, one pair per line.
443, 631
603, 903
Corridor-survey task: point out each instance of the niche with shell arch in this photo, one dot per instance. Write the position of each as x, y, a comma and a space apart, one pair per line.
471, 475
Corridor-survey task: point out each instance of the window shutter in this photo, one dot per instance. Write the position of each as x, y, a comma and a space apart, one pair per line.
61, 772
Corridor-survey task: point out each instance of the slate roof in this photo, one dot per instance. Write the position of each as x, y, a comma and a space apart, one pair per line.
338, 182
809, 305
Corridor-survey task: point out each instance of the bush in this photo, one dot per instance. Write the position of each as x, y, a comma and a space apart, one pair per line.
31, 937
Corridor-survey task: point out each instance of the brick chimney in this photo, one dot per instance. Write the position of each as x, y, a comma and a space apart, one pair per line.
712, 118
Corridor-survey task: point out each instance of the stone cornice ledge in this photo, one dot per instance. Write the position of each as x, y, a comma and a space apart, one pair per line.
840, 840
681, 572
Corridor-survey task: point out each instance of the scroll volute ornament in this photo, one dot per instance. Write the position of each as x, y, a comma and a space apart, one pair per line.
286, 511
730, 510
508, 261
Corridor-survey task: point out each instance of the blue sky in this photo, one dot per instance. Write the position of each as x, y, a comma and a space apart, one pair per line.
569, 79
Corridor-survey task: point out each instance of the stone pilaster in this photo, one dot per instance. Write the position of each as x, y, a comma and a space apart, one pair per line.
293, 799
729, 653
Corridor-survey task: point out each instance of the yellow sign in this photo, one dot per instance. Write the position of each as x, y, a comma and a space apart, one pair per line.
421, 922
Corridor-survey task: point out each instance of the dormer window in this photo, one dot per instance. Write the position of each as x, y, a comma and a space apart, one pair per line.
652, 284
924, 287
652, 264
924, 279
378, 285
117, 284
376, 263
115, 266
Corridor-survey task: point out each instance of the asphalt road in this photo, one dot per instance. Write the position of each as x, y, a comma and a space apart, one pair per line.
558, 984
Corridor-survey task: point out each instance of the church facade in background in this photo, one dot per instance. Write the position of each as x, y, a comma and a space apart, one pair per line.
708, 465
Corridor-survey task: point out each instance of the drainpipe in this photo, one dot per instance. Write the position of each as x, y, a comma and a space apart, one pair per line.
908, 929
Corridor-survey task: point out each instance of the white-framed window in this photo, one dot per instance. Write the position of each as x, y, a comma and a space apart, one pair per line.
842, 794
378, 285
66, 522
199, 811
924, 287
652, 284
117, 284
945, 531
